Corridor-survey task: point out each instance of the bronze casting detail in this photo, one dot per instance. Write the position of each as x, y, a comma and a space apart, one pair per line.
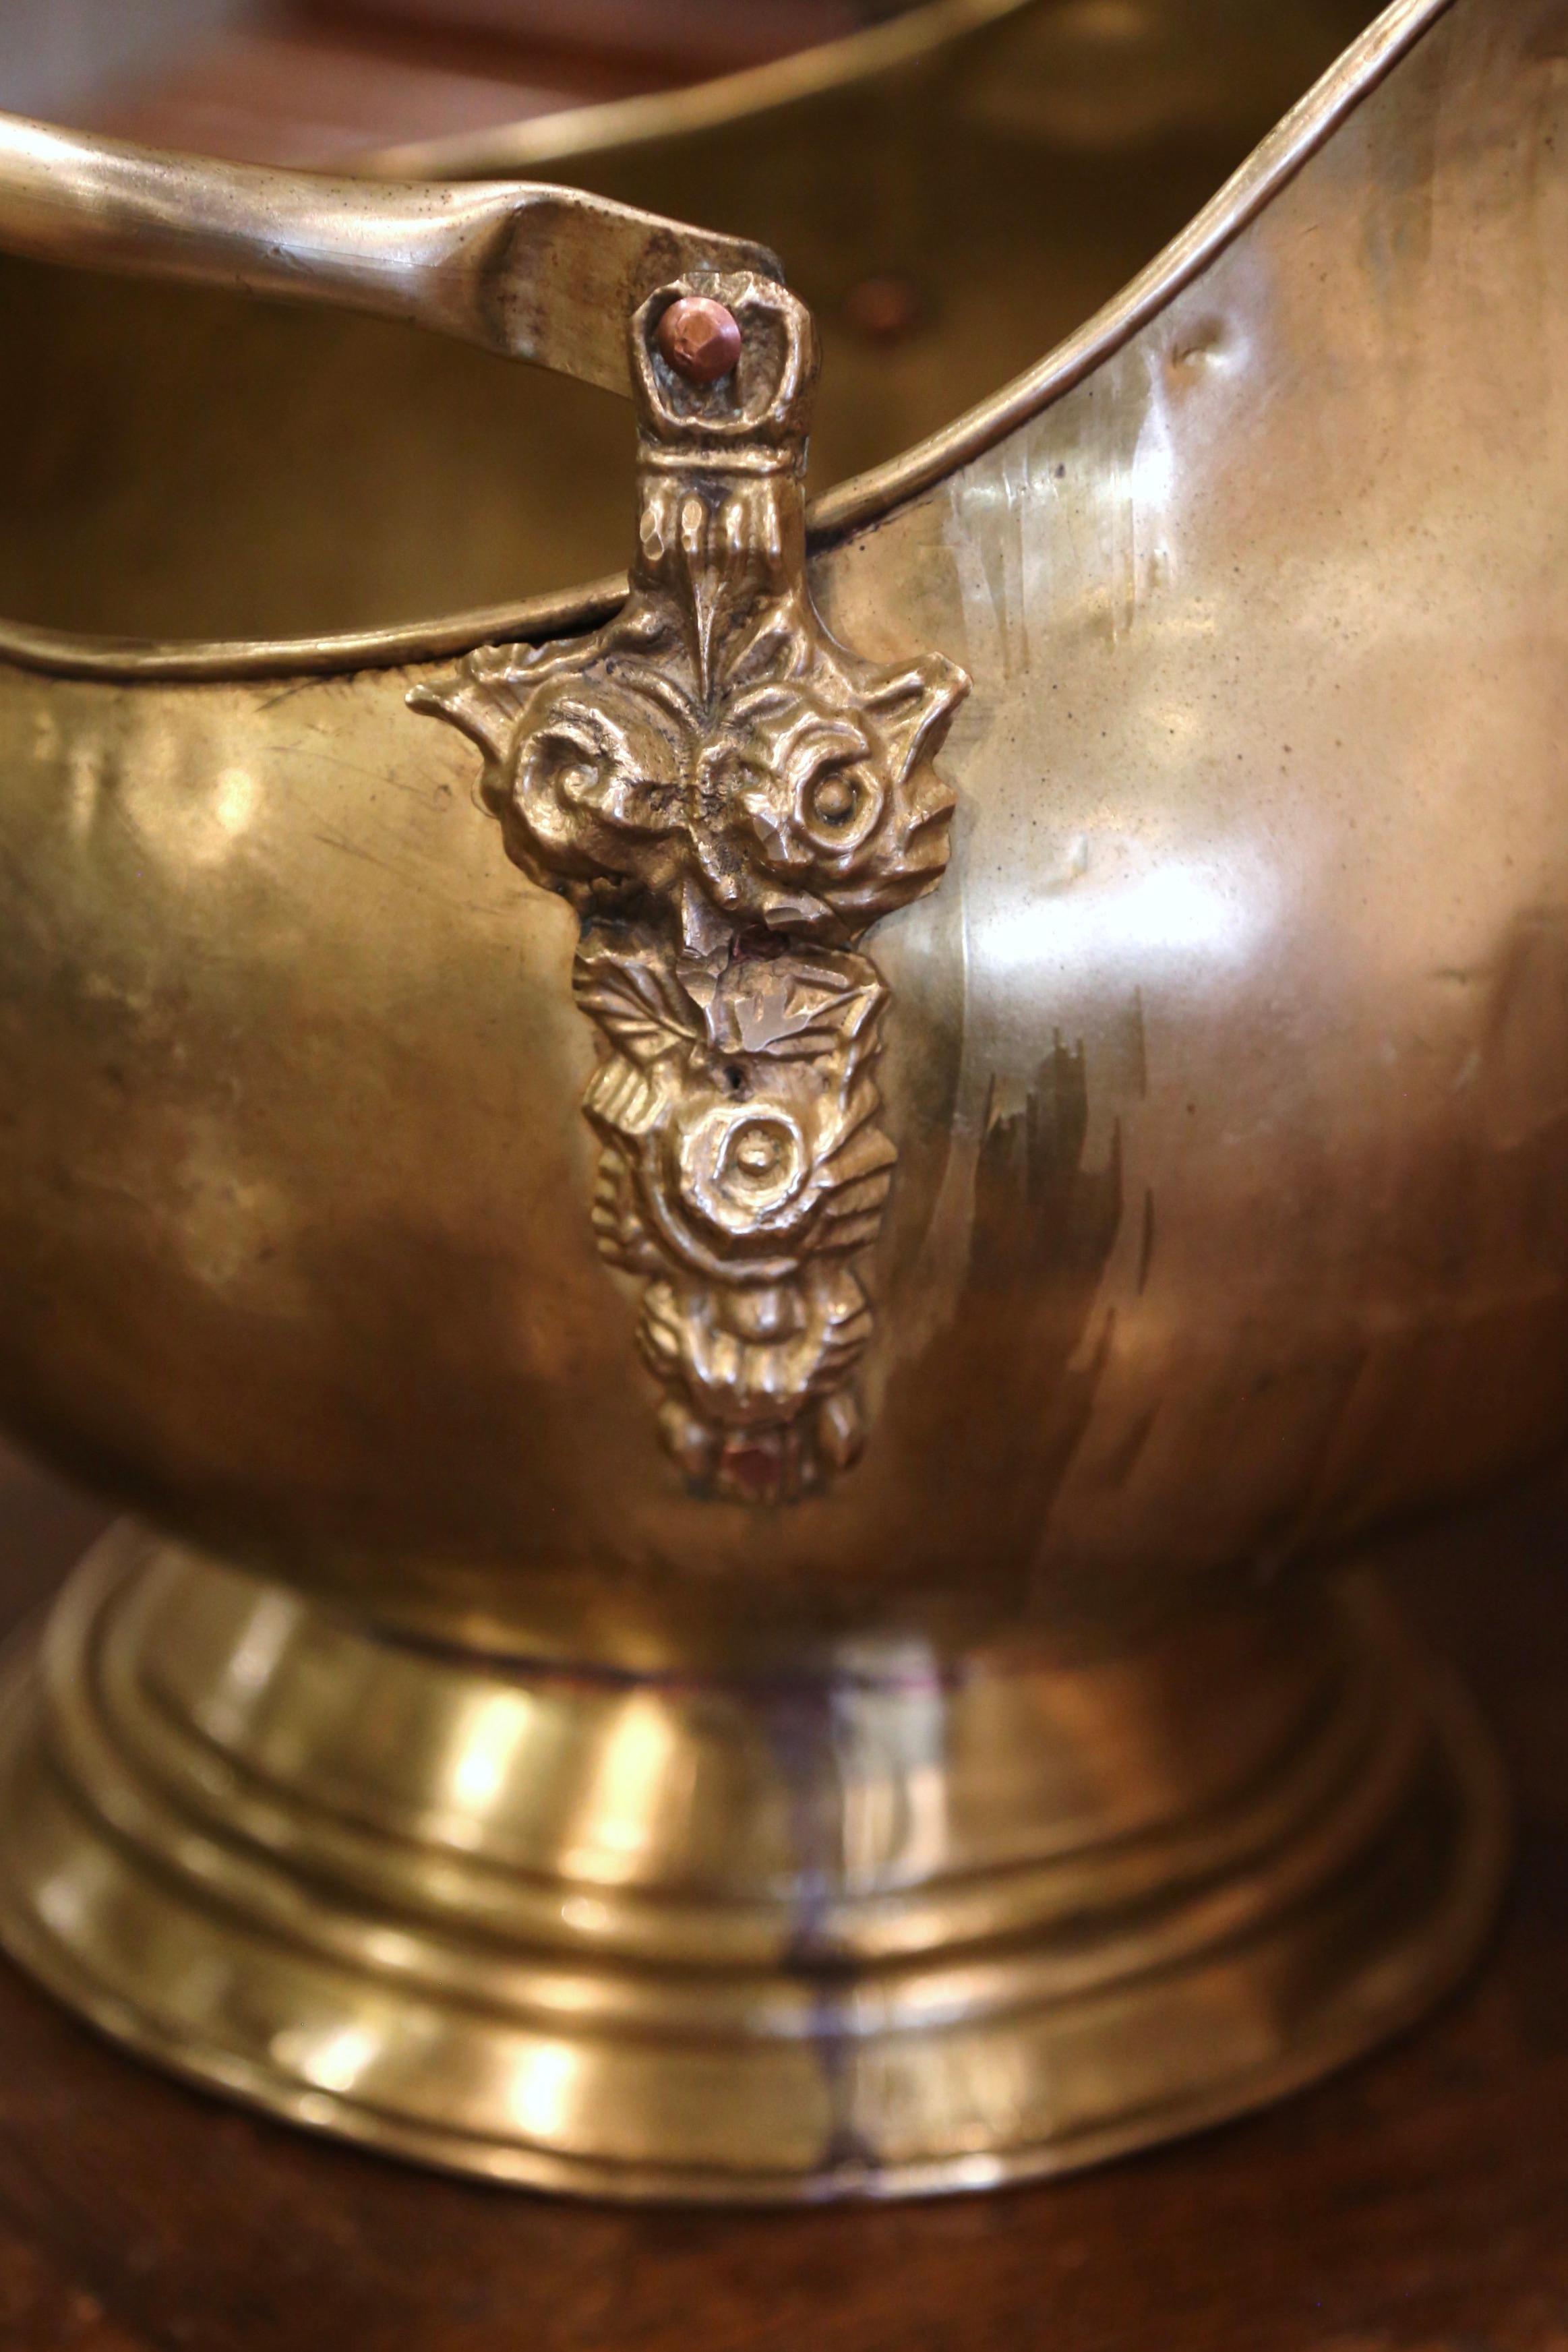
730, 799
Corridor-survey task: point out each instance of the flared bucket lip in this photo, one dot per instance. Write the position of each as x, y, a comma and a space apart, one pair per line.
866, 499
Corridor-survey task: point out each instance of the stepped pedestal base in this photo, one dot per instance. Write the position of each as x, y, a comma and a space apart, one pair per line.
888, 1927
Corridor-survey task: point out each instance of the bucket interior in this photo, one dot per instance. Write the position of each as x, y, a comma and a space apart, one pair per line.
182, 464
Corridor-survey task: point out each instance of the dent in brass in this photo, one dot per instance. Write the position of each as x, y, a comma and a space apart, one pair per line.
729, 798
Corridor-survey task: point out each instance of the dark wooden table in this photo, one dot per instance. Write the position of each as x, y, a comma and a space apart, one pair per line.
1417, 2204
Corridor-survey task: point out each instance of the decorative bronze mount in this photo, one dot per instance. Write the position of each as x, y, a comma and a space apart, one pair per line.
730, 799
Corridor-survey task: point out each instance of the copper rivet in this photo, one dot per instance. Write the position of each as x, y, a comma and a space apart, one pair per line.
699, 339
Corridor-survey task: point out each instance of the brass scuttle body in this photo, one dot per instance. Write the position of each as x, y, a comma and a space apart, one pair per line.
551, 1716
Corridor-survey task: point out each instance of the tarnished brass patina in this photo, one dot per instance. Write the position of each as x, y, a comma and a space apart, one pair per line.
711, 1620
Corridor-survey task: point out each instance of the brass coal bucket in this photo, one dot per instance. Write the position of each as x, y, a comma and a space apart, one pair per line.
761, 1244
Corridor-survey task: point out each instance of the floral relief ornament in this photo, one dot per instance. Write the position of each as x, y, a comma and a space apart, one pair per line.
729, 798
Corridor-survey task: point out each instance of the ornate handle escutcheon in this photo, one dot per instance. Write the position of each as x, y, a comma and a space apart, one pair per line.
730, 799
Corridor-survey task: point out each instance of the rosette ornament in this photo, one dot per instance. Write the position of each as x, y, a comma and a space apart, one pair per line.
741, 1169
730, 799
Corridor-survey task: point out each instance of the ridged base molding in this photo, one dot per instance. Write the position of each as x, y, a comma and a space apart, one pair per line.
875, 1929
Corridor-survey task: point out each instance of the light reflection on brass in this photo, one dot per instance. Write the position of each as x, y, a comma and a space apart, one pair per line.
448, 1772
485, 1748
636, 1784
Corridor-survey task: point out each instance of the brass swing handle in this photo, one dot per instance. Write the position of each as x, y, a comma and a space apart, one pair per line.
543, 274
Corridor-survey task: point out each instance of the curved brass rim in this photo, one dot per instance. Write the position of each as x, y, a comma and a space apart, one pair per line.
616, 124
868, 497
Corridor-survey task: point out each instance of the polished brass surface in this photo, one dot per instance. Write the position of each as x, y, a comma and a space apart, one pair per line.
1031, 1789
876, 1932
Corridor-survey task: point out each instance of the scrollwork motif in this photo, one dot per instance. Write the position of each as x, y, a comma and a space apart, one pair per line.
730, 799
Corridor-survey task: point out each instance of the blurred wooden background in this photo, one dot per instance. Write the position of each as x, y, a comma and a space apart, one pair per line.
311, 81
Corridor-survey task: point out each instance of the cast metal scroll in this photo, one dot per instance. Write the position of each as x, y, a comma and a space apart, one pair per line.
730, 799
